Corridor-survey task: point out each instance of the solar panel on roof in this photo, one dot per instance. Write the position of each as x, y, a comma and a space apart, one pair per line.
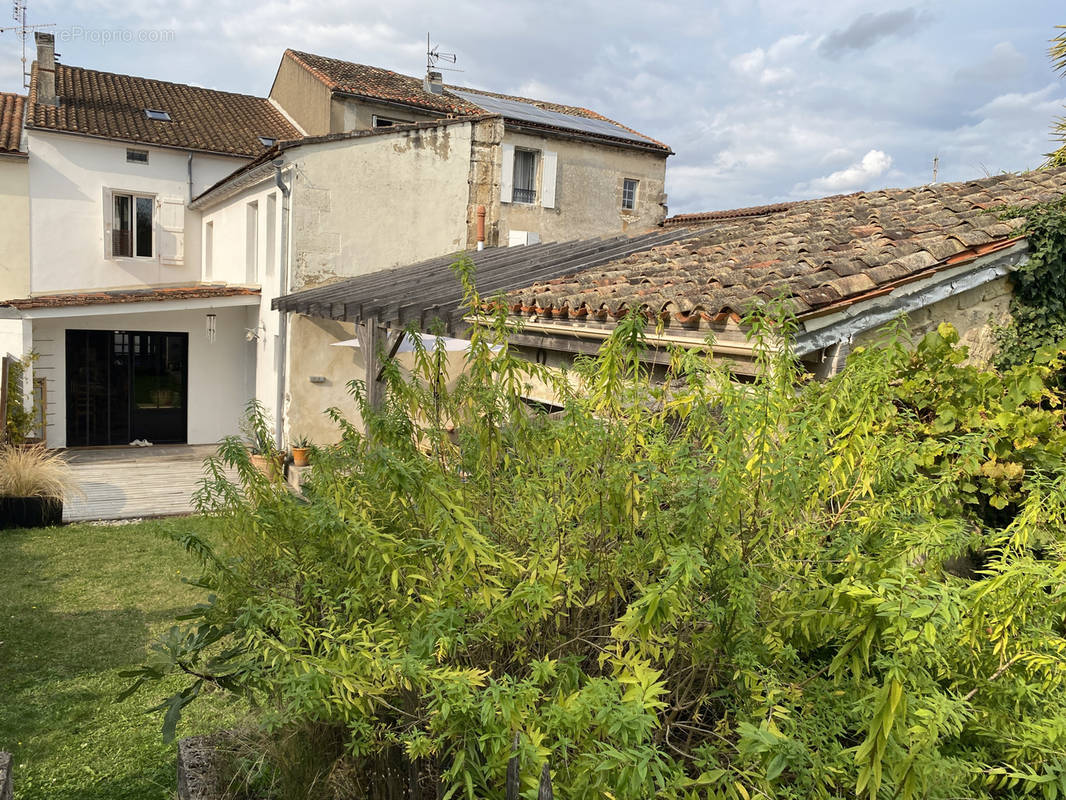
527, 112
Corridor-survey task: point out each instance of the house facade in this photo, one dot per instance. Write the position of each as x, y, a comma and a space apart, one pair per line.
160, 221
132, 343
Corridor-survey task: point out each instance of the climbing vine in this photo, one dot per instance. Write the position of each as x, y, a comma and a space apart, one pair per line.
1038, 307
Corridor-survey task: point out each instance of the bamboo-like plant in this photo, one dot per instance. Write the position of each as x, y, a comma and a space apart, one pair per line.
1057, 53
683, 586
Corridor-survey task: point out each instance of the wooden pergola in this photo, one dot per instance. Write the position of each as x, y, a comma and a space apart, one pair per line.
381, 304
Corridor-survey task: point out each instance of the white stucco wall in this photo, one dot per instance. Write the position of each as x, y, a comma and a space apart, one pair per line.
229, 264
68, 175
14, 227
15, 337
221, 373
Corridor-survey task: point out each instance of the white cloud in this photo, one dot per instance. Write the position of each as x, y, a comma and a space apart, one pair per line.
858, 176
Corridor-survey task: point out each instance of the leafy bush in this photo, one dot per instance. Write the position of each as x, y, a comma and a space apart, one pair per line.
20, 422
681, 587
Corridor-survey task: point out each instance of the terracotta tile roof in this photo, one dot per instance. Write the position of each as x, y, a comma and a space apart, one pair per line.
113, 106
818, 253
735, 213
378, 83
384, 84
11, 110
149, 295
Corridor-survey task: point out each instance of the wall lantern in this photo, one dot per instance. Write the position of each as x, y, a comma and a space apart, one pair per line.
211, 328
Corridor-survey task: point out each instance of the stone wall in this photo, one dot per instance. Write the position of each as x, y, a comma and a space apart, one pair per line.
975, 314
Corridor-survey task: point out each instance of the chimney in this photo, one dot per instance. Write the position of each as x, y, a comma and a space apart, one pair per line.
433, 82
46, 68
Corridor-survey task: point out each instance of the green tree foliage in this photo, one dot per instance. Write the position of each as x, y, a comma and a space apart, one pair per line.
1038, 300
681, 588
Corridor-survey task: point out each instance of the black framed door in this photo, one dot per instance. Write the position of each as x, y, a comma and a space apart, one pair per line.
126, 385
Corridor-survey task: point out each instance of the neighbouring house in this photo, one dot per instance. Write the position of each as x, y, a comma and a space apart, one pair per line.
366, 192
846, 266
134, 343
563, 172
14, 202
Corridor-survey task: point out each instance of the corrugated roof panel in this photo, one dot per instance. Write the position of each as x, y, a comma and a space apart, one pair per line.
527, 112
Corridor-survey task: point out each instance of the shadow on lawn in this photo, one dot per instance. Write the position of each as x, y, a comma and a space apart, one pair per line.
44, 645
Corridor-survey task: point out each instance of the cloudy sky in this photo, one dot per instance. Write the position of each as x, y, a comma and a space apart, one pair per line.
762, 100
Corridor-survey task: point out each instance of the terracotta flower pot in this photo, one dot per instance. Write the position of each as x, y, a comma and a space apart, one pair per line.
300, 456
273, 468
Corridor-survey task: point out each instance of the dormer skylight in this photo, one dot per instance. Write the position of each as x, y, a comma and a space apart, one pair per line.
156, 114
267, 141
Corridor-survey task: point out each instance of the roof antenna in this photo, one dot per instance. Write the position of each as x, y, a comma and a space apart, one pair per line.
936, 166
434, 56
22, 30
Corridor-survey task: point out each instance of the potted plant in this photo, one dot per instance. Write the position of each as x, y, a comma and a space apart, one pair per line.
33, 484
265, 457
301, 451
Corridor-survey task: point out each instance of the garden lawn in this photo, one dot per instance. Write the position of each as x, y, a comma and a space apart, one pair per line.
78, 605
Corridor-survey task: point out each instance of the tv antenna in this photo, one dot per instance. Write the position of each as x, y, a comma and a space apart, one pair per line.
936, 166
22, 30
434, 56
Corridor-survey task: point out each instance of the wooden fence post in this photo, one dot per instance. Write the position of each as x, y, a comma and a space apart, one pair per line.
545, 790
512, 770
5, 367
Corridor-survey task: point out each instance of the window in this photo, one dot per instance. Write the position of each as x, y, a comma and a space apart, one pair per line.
209, 250
267, 141
629, 194
156, 114
271, 231
136, 156
251, 231
525, 176
131, 231
382, 122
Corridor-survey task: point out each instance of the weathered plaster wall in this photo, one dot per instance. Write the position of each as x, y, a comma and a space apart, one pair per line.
974, 313
313, 356
356, 114
14, 227
588, 191
361, 205
402, 197
303, 97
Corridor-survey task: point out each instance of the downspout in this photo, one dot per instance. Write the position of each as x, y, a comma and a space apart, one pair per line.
283, 289
480, 228
189, 167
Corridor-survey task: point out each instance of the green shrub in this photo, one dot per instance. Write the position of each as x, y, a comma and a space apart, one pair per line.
679, 588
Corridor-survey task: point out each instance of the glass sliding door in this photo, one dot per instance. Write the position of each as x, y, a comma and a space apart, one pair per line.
126, 385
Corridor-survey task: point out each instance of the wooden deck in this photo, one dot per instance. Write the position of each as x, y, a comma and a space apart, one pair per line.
131, 482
